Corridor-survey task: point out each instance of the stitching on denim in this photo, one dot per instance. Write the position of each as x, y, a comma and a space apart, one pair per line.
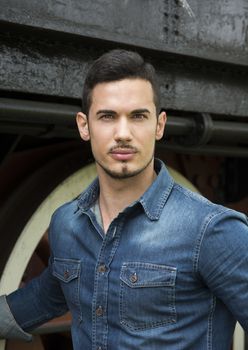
94, 298
96, 279
148, 265
171, 271
201, 236
43, 318
192, 195
210, 324
80, 317
76, 276
171, 318
70, 263
163, 198
86, 198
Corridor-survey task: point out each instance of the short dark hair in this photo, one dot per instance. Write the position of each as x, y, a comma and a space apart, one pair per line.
116, 65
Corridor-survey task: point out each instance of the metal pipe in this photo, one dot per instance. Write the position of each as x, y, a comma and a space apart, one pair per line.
13, 110
179, 126
215, 150
53, 119
230, 131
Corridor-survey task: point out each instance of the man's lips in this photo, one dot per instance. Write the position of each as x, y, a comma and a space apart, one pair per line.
122, 153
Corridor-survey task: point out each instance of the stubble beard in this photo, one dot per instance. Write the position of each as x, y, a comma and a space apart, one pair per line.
124, 173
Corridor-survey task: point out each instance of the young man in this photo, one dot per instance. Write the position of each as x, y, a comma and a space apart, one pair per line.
140, 262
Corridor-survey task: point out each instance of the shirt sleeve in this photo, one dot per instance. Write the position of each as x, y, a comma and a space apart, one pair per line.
41, 300
9, 329
223, 261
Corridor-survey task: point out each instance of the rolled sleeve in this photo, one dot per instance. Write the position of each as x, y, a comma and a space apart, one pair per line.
9, 329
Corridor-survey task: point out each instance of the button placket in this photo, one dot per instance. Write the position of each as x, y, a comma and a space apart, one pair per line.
100, 296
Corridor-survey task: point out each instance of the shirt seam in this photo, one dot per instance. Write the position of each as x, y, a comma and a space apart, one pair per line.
210, 323
199, 240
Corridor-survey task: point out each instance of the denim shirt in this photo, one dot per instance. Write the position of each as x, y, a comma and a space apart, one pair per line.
170, 273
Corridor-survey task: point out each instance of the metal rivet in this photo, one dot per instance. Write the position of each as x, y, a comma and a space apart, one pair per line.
99, 311
134, 278
102, 268
66, 274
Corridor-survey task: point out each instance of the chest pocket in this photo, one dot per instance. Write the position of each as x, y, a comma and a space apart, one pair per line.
147, 295
68, 273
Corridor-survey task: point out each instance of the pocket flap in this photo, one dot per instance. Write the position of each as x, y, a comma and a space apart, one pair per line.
136, 275
66, 269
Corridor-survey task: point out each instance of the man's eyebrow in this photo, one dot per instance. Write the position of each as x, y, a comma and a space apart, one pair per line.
140, 110
135, 111
105, 111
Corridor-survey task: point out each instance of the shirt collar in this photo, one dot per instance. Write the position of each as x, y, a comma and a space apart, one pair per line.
155, 197
152, 201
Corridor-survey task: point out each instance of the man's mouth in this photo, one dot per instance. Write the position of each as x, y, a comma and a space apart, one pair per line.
123, 154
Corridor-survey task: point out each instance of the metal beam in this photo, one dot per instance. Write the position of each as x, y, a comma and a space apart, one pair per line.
53, 68
213, 30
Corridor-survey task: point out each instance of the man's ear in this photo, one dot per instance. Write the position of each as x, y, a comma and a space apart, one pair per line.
162, 118
83, 127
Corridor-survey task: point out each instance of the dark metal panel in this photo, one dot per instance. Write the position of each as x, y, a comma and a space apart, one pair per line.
210, 29
56, 67
34, 65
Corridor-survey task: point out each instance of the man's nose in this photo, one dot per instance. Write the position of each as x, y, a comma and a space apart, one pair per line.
122, 129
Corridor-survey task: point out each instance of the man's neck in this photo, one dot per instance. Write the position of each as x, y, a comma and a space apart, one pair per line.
117, 194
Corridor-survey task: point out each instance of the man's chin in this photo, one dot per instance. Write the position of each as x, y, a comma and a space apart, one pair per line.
122, 174
124, 171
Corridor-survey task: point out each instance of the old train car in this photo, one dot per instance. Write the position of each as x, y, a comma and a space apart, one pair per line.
200, 51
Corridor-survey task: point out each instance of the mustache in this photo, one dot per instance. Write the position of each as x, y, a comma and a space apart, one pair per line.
123, 145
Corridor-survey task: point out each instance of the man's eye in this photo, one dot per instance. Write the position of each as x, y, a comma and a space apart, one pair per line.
139, 116
107, 117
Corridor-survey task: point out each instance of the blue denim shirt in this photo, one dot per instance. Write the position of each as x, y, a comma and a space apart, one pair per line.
171, 273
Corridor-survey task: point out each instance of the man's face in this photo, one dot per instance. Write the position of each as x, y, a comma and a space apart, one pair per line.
122, 126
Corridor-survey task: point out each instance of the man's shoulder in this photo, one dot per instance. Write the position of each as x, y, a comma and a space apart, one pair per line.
65, 214
194, 202
198, 206
67, 208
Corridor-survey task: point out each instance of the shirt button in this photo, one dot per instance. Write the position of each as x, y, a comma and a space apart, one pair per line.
99, 311
102, 268
134, 278
66, 274
99, 348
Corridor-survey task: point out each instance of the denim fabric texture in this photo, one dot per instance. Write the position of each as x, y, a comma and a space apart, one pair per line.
9, 329
171, 273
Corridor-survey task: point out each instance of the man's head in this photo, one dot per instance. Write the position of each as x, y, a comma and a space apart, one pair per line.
120, 116
117, 65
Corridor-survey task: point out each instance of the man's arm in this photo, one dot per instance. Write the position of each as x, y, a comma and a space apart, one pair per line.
9, 329
223, 262
27, 308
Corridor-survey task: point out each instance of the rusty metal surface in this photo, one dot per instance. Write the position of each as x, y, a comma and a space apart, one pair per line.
212, 29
